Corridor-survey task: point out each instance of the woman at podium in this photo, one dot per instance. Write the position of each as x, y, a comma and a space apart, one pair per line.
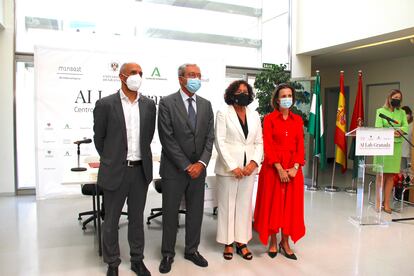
394, 117
280, 195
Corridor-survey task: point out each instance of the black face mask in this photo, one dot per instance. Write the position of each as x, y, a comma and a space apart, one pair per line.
395, 102
241, 99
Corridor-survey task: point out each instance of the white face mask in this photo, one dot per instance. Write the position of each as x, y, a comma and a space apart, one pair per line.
134, 82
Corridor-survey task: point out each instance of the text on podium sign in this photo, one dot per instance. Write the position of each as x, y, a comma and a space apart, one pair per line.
374, 141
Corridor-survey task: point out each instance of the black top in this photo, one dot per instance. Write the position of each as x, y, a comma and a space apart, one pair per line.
245, 131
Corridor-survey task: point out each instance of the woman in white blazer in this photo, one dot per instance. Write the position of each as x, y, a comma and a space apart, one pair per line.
239, 144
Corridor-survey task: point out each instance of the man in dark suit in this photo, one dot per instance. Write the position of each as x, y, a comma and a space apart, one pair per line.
124, 125
185, 128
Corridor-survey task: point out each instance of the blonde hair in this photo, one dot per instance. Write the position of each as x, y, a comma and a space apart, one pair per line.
393, 92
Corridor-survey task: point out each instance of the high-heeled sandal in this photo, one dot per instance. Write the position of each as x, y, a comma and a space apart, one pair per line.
228, 255
272, 254
283, 251
247, 256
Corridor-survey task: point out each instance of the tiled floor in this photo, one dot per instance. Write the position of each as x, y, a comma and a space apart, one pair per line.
45, 238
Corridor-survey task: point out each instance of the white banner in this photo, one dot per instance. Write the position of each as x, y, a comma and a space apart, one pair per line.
68, 83
374, 141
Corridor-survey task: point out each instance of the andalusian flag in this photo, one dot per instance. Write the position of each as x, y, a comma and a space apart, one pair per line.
315, 127
357, 121
340, 130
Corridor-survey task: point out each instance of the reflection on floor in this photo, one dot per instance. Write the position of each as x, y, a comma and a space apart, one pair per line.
45, 238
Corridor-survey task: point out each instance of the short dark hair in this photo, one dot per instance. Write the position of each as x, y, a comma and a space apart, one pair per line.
233, 87
275, 96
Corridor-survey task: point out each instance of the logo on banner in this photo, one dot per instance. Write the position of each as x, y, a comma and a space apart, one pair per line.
114, 66
67, 127
48, 126
67, 154
69, 72
49, 154
156, 75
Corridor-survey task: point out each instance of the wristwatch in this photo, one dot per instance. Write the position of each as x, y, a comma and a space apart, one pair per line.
296, 166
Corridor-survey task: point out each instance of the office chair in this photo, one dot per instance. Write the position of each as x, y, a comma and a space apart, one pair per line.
90, 190
157, 212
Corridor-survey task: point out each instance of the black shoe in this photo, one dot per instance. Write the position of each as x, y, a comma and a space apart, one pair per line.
289, 256
140, 269
197, 259
247, 256
272, 254
165, 265
112, 271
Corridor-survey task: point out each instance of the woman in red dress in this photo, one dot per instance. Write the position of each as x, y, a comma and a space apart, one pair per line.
280, 195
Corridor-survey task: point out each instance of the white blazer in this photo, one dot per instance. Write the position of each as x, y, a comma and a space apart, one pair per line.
231, 144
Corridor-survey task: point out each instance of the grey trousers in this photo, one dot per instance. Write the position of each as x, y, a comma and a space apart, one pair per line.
172, 193
134, 189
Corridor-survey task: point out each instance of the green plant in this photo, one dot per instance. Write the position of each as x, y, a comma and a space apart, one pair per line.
265, 84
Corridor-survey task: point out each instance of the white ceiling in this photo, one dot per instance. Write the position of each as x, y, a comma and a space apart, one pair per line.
389, 50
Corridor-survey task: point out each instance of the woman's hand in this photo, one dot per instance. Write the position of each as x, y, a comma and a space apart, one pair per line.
397, 133
248, 170
284, 177
292, 172
238, 173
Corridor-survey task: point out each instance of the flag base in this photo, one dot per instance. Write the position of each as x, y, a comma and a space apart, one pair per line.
312, 188
331, 189
351, 190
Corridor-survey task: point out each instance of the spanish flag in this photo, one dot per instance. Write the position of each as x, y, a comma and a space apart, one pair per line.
340, 130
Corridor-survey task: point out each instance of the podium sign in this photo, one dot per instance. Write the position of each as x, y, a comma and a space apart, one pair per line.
377, 142
374, 141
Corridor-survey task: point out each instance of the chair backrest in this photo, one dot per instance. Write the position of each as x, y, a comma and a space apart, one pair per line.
158, 185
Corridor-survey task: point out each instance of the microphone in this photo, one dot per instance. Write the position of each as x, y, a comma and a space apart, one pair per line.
386, 118
84, 141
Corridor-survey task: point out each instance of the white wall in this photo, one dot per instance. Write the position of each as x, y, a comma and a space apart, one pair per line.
6, 102
384, 71
1, 14
323, 24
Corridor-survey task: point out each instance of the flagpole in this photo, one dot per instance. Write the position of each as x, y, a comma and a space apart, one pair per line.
313, 187
332, 188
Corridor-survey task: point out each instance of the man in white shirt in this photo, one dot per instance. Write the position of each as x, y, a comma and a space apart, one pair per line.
124, 125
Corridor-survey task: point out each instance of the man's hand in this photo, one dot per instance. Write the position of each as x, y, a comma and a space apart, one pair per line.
247, 171
238, 173
194, 170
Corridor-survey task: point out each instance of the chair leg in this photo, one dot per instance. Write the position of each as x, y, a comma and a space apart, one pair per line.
88, 220
153, 216
87, 213
94, 211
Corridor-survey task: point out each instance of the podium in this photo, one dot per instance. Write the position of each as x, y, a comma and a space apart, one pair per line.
376, 142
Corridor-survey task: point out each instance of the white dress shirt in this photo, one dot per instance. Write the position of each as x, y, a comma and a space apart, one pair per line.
131, 116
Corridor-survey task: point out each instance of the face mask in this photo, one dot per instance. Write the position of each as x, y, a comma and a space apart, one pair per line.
133, 82
286, 102
395, 102
193, 85
241, 99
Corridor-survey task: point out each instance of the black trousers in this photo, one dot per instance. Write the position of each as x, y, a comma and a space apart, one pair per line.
134, 189
172, 193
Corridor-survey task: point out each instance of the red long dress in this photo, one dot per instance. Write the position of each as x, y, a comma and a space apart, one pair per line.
281, 205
